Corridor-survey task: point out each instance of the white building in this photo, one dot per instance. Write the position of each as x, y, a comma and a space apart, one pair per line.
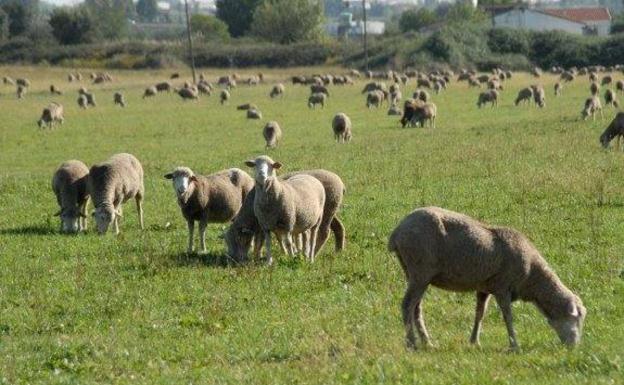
582, 21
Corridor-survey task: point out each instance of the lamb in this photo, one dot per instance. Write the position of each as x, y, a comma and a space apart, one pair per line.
286, 208
188, 93
558, 89
374, 99
112, 183
51, 114
611, 98
524, 95
118, 99
245, 228
215, 198
489, 96
69, 184
315, 99
319, 89
455, 252
224, 96
82, 101
616, 128
253, 113
592, 105
341, 125
277, 90
272, 134
539, 95
162, 87
55, 91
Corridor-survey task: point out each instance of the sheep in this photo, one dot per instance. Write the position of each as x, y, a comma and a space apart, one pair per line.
246, 106
592, 105
277, 90
231, 84
82, 101
558, 89
78, 76
69, 184
315, 99
272, 134
341, 125
204, 89
224, 96
175, 75
318, 89
71, 78
524, 95
395, 97
567, 76
374, 99
23, 82
494, 84
437, 87
615, 128
539, 95
112, 183
118, 99
394, 110
409, 109
455, 252
54, 90
610, 98
483, 78
90, 98
253, 80
374, 86
245, 228
355, 73
8, 81
421, 95
489, 96
423, 83
298, 80
253, 113
162, 87
286, 208
188, 93
215, 198
53, 113
593, 77
424, 112
21, 91
594, 88
606, 80
537, 72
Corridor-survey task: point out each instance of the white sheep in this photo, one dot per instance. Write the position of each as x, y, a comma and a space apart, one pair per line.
53, 113
272, 133
69, 184
341, 125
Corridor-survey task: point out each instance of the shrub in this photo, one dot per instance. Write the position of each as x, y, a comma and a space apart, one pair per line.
209, 27
507, 40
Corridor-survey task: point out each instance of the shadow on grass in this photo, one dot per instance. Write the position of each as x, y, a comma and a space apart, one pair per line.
30, 230
211, 259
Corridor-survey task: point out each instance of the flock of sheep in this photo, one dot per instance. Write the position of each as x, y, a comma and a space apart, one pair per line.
434, 246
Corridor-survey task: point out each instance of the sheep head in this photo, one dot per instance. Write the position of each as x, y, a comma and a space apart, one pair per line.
69, 219
182, 177
264, 168
104, 216
569, 326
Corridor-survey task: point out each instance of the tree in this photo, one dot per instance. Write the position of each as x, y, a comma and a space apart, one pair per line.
4, 25
461, 12
71, 25
237, 14
147, 10
209, 27
19, 14
288, 21
109, 18
414, 20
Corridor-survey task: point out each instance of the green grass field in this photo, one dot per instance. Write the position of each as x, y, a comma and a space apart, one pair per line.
135, 309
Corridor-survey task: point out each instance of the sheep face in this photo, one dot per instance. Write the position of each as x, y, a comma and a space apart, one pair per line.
69, 220
104, 216
182, 177
570, 327
238, 242
264, 168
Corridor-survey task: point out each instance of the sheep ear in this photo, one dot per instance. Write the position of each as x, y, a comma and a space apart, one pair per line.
169, 176
193, 178
250, 163
277, 165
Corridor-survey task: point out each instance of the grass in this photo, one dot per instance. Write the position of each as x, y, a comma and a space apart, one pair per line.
135, 309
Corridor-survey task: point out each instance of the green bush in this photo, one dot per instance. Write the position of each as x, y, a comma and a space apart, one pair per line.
507, 40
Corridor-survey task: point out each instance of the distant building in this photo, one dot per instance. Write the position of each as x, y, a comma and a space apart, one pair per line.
582, 21
345, 26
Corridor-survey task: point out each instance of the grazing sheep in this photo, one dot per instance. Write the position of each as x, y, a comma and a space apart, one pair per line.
409, 109
69, 184
112, 183
567, 76
421, 95
245, 229
253, 113
610, 98
150, 92
298, 80
594, 88
341, 125
22, 82
82, 101
21, 91
88, 96
455, 252
253, 81
606, 80
374, 99
395, 97
395, 110
319, 89
315, 99
277, 90
423, 83
287, 208
619, 86
55, 91
215, 198
374, 86
355, 73
616, 128
163, 87
246, 106
539, 95
489, 96
8, 81
424, 112
272, 134
53, 113
119, 99
224, 96
558, 89
524, 95
592, 105
204, 89
187, 93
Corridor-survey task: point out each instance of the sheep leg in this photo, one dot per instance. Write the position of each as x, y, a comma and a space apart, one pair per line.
412, 298
267, 245
202, 235
323, 233
313, 235
482, 302
191, 229
116, 220
139, 205
420, 324
257, 242
282, 245
504, 303
305, 246
289, 243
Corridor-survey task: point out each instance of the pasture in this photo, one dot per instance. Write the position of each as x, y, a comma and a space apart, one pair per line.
136, 309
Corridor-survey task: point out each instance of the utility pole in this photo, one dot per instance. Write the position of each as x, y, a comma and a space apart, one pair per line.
190, 40
365, 35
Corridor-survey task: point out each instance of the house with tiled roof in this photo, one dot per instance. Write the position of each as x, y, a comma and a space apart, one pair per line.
583, 21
